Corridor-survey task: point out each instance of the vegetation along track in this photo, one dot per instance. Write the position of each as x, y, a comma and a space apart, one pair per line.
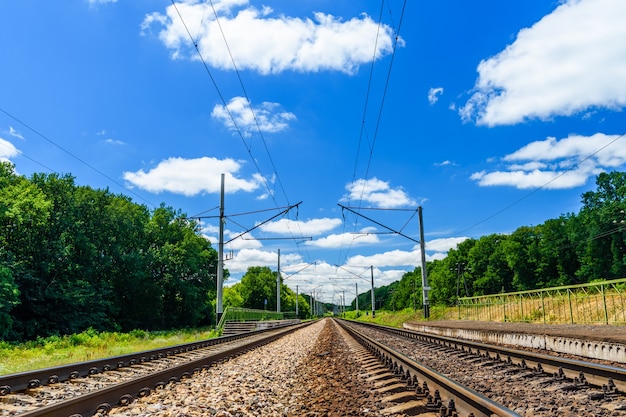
92, 387
529, 383
318, 370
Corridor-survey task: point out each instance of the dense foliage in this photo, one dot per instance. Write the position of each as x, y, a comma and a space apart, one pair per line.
73, 258
573, 249
257, 290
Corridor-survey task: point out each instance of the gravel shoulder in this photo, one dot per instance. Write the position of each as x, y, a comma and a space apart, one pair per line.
311, 372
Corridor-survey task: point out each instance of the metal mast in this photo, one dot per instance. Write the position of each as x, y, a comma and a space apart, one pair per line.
220, 259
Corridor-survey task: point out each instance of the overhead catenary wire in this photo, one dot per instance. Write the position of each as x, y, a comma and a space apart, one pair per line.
380, 110
245, 92
29, 158
367, 95
254, 116
223, 100
536, 190
87, 164
247, 146
382, 104
362, 127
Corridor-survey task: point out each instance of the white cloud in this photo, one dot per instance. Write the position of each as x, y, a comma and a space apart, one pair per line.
236, 241
604, 148
238, 114
268, 44
528, 166
246, 258
444, 163
312, 227
7, 150
433, 94
114, 142
377, 192
394, 258
333, 241
15, 133
532, 179
435, 249
558, 164
443, 245
570, 61
192, 176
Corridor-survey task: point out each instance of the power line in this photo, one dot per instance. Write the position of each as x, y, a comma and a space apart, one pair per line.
362, 129
536, 190
230, 115
245, 92
367, 94
223, 100
41, 135
29, 158
380, 111
256, 121
382, 104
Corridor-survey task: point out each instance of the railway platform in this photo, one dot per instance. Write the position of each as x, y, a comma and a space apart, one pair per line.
605, 342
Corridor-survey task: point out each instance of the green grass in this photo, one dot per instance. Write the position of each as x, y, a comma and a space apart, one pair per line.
88, 345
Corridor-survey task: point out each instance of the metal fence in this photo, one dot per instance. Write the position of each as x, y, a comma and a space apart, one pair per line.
593, 303
247, 314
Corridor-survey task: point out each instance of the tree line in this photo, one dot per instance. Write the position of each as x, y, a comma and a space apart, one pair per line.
574, 248
72, 258
257, 290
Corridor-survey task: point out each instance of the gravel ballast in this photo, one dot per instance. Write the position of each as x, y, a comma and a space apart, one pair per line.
311, 372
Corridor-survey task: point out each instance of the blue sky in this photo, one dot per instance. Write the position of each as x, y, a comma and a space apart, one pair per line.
490, 115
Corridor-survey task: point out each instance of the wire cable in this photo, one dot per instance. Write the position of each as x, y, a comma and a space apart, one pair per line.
245, 92
380, 111
29, 158
230, 115
256, 121
44, 137
536, 190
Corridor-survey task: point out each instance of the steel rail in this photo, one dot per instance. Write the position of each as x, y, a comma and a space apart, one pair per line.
444, 394
103, 400
611, 379
32, 379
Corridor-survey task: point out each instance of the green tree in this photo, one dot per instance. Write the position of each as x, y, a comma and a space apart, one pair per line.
522, 249
258, 286
79, 258
232, 296
24, 213
558, 261
488, 265
408, 291
180, 263
9, 298
601, 250
443, 276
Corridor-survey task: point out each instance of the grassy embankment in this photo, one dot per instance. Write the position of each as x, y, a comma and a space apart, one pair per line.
88, 345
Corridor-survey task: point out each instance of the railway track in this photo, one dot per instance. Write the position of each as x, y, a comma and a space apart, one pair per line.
326, 384
97, 386
431, 391
382, 372
523, 380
